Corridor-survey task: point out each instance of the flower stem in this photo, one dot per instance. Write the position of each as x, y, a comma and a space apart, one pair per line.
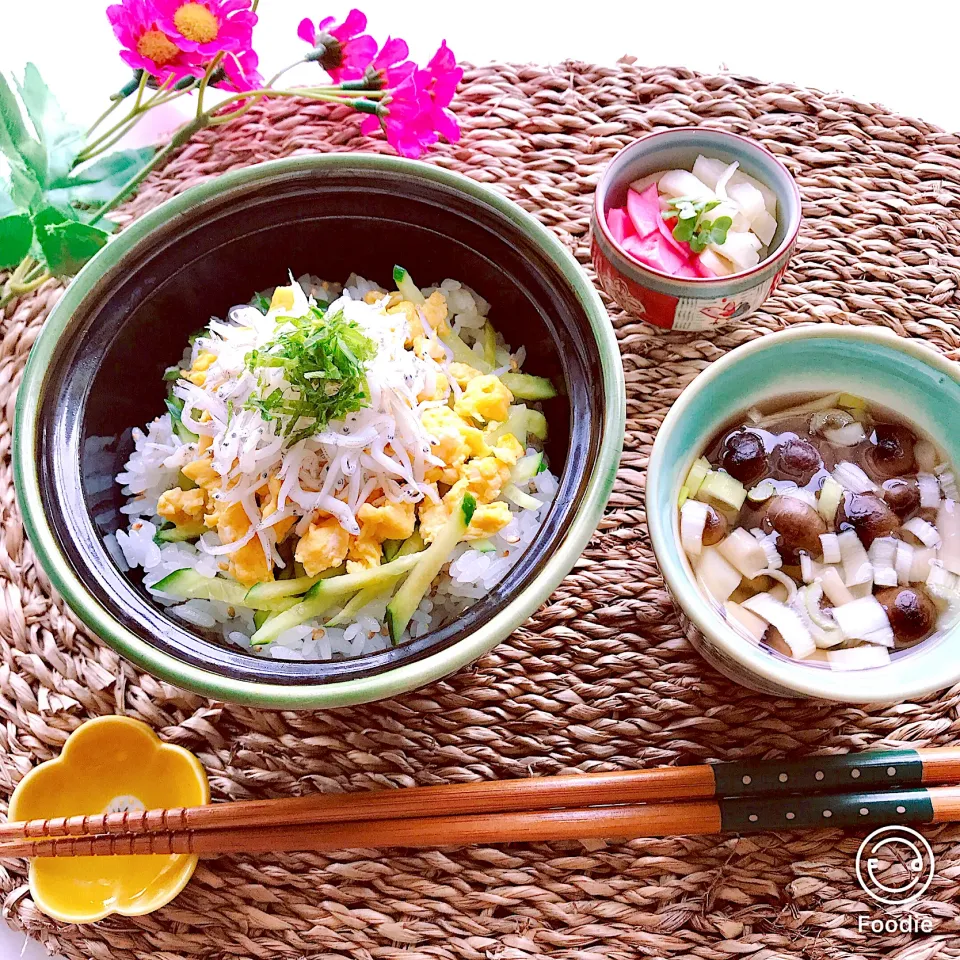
178, 139
214, 63
286, 69
103, 116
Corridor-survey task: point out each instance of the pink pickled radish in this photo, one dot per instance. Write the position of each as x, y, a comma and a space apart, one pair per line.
644, 210
620, 225
654, 252
666, 230
688, 270
702, 270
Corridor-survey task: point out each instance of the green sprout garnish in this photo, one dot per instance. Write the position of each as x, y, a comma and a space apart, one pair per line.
323, 360
692, 228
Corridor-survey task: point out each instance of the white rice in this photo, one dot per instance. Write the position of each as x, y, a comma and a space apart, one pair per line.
471, 574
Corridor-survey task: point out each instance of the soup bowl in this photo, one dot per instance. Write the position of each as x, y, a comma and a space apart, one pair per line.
675, 303
96, 371
871, 362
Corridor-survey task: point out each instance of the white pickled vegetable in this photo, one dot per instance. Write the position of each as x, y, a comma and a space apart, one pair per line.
709, 171
925, 533
682, 183
765, 227
754, 625
929, 490
750, 201
721, 188
865, 619
783, 580
830, 547
801, 605
810, 570
834, 588
856, 564
796, 636
948, 482
718, 576
744, 552
852, 478
644, 182
858, 658
693, 521
716, 264
948, 524
883, 556
769, 197
741, 249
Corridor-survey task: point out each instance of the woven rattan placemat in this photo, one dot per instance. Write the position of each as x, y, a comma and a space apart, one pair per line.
600, 679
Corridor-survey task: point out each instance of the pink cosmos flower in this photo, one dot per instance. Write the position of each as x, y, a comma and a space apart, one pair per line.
207, 27
146, 46
415, 113
390, 66
345, 51
439, 80
241, 72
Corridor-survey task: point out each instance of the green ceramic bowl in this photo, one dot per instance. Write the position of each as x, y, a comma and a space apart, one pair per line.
96, 371
901, 374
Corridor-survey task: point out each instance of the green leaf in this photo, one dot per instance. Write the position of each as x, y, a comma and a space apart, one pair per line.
95, 183
60, 139
26, 191
15, 139
16, 237
66, 245
718, 230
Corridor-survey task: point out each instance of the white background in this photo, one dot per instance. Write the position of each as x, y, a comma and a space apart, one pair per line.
902, 54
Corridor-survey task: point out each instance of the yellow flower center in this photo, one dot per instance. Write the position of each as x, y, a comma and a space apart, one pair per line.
155, 46
196, 23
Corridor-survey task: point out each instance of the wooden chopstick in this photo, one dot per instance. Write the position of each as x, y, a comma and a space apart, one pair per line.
741, 815
861, 771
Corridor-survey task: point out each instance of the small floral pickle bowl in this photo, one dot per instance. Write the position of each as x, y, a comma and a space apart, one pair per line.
679, 303
108, 765
870, 362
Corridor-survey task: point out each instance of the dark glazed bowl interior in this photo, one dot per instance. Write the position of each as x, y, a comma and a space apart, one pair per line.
105, 375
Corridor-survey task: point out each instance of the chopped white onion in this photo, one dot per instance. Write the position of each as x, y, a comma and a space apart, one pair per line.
856, 564
717, 575
744, 552
834, 587
948, 482
883, 556
693, 521
948, 524
858, 658
925, 532
807, 496
929, 490
848, 436
761, 492
903, 562
769, 543
923, 557
865, 619
831, 493
851, 477
796, 636
830, 546
925, 455
754, 625
786, 582
809, 568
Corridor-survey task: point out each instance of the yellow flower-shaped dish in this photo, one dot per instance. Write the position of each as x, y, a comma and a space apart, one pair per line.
109, 764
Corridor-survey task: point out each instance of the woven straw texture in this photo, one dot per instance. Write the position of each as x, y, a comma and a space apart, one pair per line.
600, 678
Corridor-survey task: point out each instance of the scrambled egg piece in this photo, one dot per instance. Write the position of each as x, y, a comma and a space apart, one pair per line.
282, 299
508, 449
373, 296
488, 518
390, 521
463, 373
425, 347
486, 477
324, 545
457, 442
268, 507
485, 398
197, 374
182, 506
201, 472
249, 564
435, 311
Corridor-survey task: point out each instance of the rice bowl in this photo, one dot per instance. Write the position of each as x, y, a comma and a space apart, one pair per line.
240, 500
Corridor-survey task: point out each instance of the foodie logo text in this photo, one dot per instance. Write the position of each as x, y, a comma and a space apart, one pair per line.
911, 856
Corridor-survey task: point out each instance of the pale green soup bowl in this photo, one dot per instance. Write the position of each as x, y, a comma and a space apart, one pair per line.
904, 375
